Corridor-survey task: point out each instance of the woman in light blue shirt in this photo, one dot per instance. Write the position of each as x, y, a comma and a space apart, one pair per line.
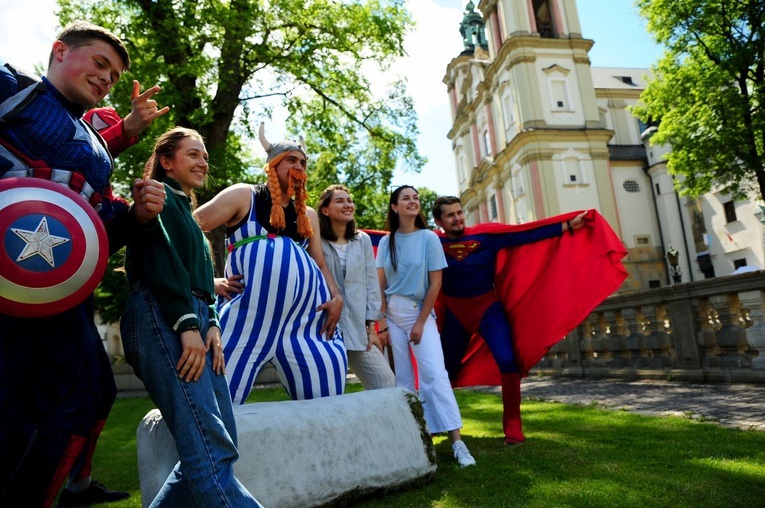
410, 261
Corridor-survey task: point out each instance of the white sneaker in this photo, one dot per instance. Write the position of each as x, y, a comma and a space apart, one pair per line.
462, 454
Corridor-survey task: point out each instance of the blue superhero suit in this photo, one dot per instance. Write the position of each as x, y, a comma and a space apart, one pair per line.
470, 305
55, 377
473, 306
544, 283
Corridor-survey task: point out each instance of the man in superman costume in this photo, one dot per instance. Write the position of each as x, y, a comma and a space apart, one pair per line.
502, 307
49, 398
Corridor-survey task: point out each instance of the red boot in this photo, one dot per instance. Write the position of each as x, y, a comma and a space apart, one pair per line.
511, 408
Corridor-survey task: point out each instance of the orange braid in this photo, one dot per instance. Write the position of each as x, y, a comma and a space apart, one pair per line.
303, 222
277, 212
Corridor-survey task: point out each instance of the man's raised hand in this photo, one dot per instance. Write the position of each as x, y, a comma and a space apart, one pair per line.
144, 110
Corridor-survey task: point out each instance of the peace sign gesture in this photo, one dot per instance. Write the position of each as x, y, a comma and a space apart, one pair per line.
144, 111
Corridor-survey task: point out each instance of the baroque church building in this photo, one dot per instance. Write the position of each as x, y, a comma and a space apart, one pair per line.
537, 132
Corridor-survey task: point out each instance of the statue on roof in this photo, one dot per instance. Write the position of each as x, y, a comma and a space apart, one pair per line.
472, 30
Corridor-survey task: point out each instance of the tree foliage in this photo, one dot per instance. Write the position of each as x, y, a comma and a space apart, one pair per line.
707, 92
225, 65
111, 295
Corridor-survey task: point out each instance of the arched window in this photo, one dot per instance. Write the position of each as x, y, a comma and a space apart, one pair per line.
543, 18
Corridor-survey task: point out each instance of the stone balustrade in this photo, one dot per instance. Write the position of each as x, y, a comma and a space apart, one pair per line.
704, 331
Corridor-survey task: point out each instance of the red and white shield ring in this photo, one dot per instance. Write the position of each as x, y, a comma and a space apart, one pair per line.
53, 248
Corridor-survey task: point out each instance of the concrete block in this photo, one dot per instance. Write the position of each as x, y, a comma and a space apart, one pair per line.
312, 452
125, 379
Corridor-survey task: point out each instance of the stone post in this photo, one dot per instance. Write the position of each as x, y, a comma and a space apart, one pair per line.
755, 334
731, 337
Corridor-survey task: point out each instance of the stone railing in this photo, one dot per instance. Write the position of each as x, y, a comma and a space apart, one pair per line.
705, 331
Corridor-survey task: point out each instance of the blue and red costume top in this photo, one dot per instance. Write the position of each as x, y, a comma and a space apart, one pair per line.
68, 150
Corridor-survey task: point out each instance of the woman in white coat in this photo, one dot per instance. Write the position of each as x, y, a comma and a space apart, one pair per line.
348, 254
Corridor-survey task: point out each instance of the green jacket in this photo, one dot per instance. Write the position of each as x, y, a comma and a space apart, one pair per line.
173, 258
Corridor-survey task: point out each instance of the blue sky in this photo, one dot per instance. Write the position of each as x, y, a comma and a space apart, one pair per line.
27, 28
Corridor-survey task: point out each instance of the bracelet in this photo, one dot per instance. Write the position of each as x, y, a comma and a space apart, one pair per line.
383, 330
570, 229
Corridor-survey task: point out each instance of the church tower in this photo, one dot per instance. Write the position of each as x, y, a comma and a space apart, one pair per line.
537, 132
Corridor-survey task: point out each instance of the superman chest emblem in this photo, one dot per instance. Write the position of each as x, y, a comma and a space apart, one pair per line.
461, 250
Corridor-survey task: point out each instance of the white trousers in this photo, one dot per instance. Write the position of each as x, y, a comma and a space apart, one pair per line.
436, 394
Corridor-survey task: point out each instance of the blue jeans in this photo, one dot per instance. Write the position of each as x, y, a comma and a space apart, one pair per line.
198, 413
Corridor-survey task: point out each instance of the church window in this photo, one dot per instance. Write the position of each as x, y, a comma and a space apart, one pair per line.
543, 18
631, 186
461, 165
493, 213
573, 168
507, 110
486, 146
704, 259
642, 126
559, 95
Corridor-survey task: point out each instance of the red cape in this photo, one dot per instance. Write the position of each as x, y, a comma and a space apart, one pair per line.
547, 289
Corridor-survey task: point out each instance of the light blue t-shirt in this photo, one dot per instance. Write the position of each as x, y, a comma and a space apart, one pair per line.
417, 253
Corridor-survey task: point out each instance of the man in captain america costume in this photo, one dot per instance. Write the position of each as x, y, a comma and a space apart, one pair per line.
484, 324
47, 407
119, 135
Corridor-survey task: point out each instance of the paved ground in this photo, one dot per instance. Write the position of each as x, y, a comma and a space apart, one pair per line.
736, 405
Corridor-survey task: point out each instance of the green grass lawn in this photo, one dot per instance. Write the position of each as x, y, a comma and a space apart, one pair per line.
574, 456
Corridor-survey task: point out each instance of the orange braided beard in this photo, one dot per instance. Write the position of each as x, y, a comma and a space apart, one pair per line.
297, 180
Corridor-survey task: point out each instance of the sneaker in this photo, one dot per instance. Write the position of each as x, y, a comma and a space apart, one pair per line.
94, 494
462, 454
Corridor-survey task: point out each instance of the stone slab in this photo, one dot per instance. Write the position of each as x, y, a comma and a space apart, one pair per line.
312, 452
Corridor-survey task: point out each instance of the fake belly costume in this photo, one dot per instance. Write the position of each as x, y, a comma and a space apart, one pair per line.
275, 318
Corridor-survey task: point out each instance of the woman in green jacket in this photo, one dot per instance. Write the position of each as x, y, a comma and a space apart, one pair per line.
171, 336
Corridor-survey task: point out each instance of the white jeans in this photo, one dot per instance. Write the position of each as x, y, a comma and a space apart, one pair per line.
436, 394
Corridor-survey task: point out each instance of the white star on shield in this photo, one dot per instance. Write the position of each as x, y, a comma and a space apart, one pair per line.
39, 242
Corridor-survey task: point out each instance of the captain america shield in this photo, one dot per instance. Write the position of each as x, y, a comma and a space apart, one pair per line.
53, 248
